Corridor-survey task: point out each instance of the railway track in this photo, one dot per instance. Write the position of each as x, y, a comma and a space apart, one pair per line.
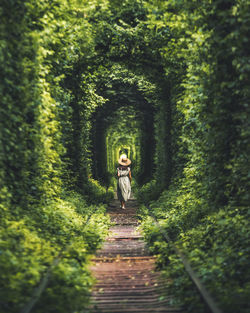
127, 280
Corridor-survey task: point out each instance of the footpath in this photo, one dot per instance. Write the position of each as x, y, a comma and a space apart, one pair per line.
127, 280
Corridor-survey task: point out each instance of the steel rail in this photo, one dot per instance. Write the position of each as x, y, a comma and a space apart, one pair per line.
37, 292
194, 277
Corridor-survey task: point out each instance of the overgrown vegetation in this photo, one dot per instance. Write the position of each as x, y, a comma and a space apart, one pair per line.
166, 81
41, 42
205, 210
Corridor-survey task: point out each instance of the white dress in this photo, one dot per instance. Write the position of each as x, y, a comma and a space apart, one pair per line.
123, 184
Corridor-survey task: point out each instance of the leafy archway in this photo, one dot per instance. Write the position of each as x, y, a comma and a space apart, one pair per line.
125, 121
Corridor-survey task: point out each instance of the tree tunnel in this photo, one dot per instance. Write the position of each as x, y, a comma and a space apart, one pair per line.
167, 83
124, 124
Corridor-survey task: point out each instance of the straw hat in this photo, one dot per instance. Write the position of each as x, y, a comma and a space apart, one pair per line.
124, 161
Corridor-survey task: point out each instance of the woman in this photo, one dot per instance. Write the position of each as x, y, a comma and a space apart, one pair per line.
124, 180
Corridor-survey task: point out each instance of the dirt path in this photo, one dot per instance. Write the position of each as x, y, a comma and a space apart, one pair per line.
125, 272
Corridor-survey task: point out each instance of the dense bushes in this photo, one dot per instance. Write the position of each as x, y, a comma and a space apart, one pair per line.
218, 249
67, 231
147, 192
204, 210
40, 43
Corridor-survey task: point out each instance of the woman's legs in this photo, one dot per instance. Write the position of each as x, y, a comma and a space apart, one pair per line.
123, 204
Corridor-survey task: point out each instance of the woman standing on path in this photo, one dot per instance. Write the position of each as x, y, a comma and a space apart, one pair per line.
124, 180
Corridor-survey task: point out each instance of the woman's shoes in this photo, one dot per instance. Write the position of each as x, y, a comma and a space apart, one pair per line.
122, 207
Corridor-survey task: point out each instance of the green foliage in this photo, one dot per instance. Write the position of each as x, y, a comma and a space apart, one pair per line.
204, 209
77, 75
30, 246
24, 258
97, 193
125, 74
40, 45
218, 249
148, 192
